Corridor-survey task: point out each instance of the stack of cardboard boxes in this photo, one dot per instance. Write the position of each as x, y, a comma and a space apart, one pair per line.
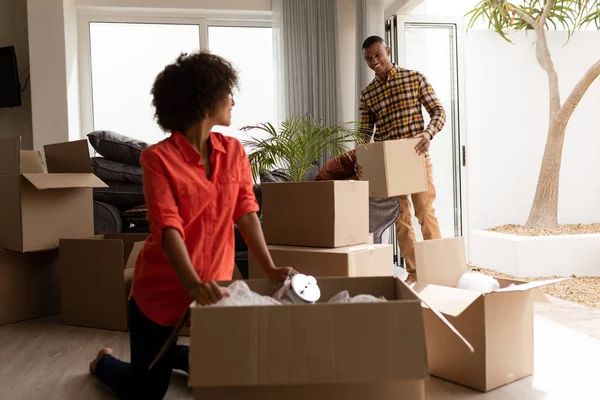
39, 204
321, 229
50, 261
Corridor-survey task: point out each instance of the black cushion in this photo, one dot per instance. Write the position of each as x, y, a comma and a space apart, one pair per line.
125, 195
109, 170
117, 147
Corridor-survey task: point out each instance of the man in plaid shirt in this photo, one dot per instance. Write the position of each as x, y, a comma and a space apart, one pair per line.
392, 104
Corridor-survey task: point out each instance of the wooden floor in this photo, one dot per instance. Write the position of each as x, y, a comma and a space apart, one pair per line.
42, 359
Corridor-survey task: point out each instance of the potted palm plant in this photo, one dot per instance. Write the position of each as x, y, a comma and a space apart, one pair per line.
298, 212
299, 144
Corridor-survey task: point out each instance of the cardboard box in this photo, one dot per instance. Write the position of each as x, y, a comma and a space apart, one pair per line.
95, 279
499, 324
29, 285
409, 389
39, 206
359, 260
316, 214
185, 332
311, 351
392, 168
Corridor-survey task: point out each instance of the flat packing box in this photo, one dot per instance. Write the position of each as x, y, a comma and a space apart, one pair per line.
358, 260
499, 324
29, 285
95, 279
316, 214
39, 206
392, 168
317, 351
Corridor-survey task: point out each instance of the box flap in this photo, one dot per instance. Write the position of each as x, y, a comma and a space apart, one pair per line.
437, 297
10, 155
133, 256
69, 157
31, 162
64, 181
530, 285
441, 261
365, 247
450, 301
538, 295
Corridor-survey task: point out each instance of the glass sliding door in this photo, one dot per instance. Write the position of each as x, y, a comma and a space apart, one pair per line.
432, 47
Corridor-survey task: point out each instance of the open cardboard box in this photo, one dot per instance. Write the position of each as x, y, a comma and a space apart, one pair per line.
359, 260
95, 279
392, 167
317, 351
38, 206
499, 324
316, 214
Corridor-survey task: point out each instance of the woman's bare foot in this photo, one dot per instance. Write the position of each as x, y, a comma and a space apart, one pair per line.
104, 352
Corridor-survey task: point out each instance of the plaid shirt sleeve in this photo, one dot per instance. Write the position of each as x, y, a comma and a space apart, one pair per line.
432, 104
367, 117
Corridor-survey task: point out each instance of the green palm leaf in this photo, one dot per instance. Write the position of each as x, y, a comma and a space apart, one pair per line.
298, 145
569, 15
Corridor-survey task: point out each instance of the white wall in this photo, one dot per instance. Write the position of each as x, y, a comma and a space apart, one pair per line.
13, 32
507, 122
72, 69
47, 51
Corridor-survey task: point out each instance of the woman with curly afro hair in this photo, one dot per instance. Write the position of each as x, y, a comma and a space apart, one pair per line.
197, 184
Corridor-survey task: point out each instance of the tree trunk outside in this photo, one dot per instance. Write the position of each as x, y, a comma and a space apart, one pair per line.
544, 212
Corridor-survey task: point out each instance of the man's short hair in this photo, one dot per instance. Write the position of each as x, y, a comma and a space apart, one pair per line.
371, 40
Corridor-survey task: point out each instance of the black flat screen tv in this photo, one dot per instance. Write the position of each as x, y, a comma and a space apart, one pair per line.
10, 87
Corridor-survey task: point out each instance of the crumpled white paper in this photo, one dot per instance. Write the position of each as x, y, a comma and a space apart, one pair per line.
344, 297
241, 295
478, 282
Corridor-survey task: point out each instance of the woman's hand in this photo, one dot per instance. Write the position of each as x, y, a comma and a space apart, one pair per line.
279, 274
207, 293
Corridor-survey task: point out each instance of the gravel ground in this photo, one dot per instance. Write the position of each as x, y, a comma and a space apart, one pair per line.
582, 290
574, 229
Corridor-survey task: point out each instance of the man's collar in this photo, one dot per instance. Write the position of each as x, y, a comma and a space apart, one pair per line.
391, 73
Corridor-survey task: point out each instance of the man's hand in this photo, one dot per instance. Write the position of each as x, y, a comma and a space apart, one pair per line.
279, 274
424, 144
207, 293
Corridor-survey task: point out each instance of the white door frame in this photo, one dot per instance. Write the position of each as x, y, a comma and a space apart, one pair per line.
402, 20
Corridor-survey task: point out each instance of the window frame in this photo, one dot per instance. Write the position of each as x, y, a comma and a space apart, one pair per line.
203, 18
